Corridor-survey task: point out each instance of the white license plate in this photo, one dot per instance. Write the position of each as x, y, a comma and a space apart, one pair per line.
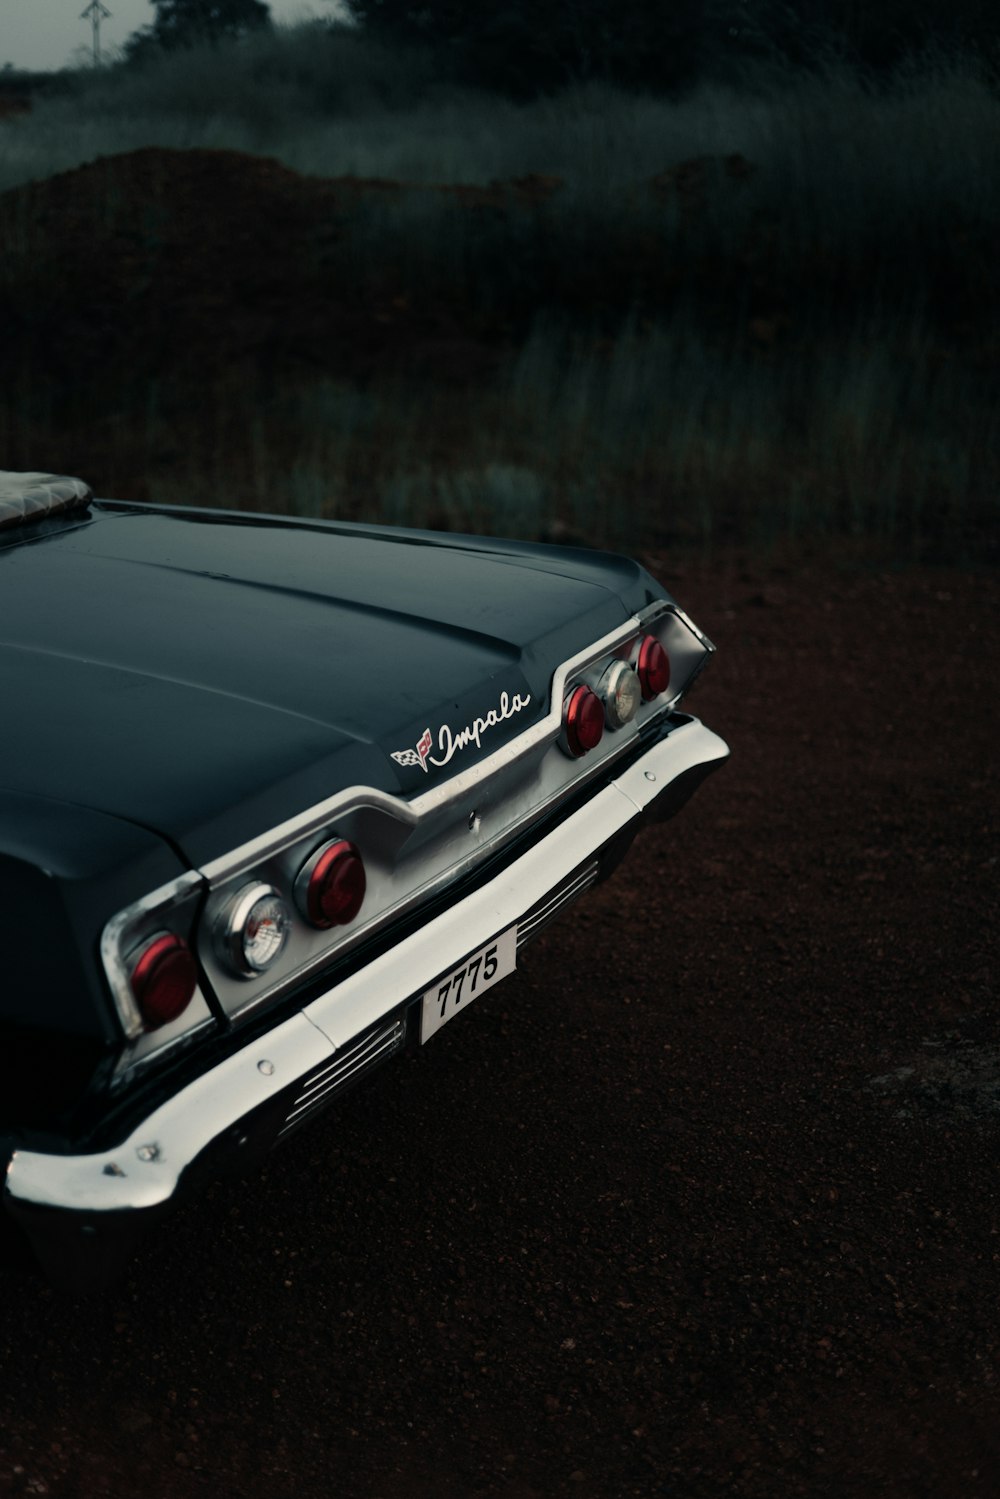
456, 990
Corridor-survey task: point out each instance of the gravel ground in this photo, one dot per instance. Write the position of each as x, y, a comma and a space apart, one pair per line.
701, 1203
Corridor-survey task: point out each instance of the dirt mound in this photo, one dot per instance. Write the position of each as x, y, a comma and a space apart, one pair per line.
190, 261
183, 263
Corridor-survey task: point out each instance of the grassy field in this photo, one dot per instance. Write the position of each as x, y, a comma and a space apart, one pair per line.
763, 308
646, 439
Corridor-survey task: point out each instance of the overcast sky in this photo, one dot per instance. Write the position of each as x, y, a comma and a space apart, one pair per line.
44, 34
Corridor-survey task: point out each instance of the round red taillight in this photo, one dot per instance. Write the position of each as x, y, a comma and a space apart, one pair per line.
331, 885
164, 978
583, 720
652, 668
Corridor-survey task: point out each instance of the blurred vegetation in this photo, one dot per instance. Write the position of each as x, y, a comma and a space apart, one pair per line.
182, 24
526, 49
763, 304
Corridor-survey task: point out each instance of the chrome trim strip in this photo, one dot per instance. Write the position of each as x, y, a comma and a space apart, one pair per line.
541, 917
389, 1041
685, 619
411, 812
702, 640
145, 1168
248, 855
383, 918
264, 992
564, 893
321, 1079
310, 821
316, 1101
540, 733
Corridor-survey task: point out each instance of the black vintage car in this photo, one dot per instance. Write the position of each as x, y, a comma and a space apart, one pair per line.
277, 799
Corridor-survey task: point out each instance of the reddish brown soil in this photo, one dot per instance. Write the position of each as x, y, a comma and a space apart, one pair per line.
185, 265
189, 264
702, 1202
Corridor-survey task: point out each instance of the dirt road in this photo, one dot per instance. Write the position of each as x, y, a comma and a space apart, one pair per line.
703, 1202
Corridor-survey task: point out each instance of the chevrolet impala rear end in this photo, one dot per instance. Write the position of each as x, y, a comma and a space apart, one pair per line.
280, 799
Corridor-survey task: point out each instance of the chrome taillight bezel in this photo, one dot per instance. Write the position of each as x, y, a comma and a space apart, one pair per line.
621, 692
232, 926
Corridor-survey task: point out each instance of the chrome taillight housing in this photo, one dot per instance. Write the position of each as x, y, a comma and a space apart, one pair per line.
652, 666
583, 721
252, 929
163, 977
330, 887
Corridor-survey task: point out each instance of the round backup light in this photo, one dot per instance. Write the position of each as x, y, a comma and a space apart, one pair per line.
253, 929
583, 720
622, 694
330, 888
652, 667
163, 979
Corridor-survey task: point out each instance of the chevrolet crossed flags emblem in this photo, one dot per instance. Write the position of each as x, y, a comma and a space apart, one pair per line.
416, 756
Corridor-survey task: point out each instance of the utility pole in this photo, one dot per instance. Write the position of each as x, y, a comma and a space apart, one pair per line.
97, 13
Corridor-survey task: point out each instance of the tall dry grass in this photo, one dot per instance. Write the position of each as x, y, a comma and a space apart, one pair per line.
801, 346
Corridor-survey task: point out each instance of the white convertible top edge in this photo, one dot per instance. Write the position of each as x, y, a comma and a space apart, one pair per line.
26, 497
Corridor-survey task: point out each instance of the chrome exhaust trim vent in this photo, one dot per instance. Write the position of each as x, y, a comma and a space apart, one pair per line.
363, 1054
537, 919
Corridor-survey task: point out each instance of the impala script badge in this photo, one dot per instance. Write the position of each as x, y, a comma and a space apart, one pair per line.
450, 741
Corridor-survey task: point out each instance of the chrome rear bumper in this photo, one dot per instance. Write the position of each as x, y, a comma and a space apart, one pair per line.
263, 1081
